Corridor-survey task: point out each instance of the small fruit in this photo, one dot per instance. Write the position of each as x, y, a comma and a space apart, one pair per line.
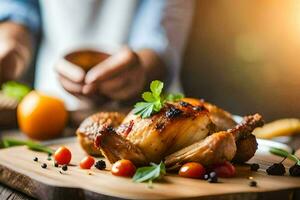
41, 117
277, 169
123, 168
87, 162
62, 156
192, 170
101, 165
224, 170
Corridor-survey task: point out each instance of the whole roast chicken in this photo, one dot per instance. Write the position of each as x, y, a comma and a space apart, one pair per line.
182, 131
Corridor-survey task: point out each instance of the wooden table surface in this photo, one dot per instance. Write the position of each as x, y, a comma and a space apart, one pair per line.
7, 193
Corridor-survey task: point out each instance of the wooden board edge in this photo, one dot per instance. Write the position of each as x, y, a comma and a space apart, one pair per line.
39, 190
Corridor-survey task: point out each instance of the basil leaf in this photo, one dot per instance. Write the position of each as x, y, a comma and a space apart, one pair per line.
149, 173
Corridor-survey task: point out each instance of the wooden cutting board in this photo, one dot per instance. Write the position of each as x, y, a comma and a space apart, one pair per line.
18, 170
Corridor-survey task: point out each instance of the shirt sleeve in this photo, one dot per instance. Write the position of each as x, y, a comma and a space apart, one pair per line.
25, 12
163, 26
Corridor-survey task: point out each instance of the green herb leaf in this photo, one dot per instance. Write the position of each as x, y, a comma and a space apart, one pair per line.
8, 142
15, 90
150, 173
156, 88
285, 154
154, 100
174, 97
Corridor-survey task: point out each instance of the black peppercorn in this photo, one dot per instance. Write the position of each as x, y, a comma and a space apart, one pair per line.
252, 183
55, 164
295, 170
35, 159
49, 154
100, 165
276, 169
254, 167
64, 167
44, 165
213, 178
206, 177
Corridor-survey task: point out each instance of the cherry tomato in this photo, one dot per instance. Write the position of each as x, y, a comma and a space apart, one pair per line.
62, 156
192, 170
87, 162
224, 170
123, 168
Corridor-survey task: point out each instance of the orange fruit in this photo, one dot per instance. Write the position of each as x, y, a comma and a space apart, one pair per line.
41, 117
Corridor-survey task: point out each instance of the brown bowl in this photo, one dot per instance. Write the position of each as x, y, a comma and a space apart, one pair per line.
86, 59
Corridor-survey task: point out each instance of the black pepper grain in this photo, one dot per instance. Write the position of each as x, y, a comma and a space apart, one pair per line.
213, 178
206, 177
252, 183
35, 159
64, 167
44, 165
55, 164
254, 167
198, 108
100, 165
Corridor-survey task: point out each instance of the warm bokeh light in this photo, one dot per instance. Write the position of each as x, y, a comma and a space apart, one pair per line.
245, 56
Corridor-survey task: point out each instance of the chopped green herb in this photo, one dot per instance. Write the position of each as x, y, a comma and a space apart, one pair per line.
154, 100
7, 142
15, 90
150, 173
285, 154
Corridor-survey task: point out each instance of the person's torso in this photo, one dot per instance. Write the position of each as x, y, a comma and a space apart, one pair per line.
74, 24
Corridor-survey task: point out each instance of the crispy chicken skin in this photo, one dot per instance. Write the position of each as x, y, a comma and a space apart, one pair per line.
183, 131
216, 148
237, 143
92, 125
176, 126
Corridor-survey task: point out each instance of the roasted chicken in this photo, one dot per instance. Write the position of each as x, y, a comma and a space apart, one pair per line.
183, 131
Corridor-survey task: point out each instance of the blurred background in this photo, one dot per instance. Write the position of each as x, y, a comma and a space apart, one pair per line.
244, 56
241, 55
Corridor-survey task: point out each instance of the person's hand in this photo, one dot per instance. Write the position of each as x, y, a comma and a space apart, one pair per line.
119, 77
15, 51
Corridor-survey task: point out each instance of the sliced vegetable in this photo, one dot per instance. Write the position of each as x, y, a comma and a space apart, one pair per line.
123, 168
9, 142
192, 170
15, 90
87, 162
150, 173
62, 156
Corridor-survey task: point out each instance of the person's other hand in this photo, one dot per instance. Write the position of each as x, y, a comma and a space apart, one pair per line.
15, 50
119, 77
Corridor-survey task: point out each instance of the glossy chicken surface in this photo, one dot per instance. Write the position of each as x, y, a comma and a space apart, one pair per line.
183, 131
